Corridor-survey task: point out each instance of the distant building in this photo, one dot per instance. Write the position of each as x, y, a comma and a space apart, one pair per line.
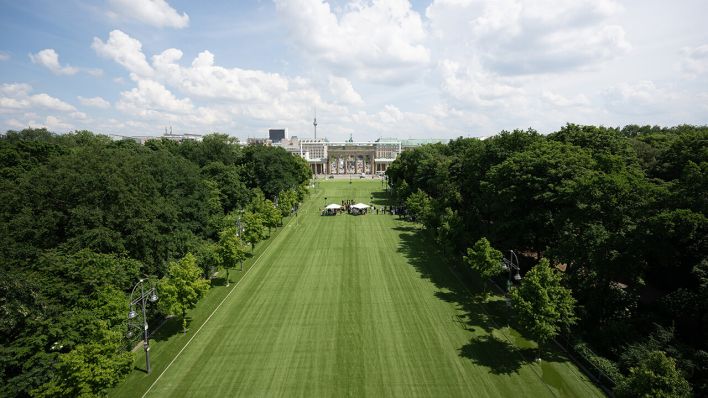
142, 139
259, 141
412, 143
277, 135
347, 157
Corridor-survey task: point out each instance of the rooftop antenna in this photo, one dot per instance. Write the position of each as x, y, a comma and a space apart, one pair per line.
314, 123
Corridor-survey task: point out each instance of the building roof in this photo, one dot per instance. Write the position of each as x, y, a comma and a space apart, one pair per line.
424, 141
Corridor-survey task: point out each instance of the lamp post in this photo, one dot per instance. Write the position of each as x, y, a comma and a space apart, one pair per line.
511, 264
135, 320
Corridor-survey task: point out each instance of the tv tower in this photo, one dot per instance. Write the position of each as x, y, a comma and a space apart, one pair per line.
314, 123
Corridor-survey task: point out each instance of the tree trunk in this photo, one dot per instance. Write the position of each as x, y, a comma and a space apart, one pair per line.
184, 321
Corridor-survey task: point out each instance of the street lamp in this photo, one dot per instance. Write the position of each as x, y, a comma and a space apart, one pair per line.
511, 264
139, 298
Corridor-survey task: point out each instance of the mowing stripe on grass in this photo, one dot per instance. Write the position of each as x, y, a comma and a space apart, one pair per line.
212, 313
358, 306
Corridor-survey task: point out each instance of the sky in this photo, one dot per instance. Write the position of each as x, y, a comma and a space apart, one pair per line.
368, 68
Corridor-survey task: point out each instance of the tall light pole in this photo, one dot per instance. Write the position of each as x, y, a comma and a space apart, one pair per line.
135, 320
511, 264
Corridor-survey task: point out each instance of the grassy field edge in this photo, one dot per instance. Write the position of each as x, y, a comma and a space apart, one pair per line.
167, 342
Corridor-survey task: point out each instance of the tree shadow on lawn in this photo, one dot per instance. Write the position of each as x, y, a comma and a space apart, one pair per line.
466, 292
485, 349
381, 198
498, 356
171, 327
502, 357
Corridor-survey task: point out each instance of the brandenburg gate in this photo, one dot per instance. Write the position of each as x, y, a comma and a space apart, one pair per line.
351, 159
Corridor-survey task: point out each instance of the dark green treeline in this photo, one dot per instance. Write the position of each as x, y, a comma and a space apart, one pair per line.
83, 217
623, 211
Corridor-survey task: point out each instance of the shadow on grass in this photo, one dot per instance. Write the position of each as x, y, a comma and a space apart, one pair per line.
497, 355
171, 327
480, 316
380, 198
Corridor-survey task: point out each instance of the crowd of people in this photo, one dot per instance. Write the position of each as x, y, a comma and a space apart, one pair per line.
347, 206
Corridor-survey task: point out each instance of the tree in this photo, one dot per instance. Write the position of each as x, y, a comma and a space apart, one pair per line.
271, 215
484, 259
286, 202
231, 251
253, 229
533, 191
182, 287
420, 207
89, 369
273, 169
656, 376
543, 306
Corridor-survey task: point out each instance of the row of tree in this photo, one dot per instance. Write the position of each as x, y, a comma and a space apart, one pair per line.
83, 217
621, 211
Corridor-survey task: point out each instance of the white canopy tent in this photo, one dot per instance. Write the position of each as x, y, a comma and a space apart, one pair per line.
360, 206
333, 206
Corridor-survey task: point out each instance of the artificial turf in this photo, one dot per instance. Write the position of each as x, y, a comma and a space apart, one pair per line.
352, 306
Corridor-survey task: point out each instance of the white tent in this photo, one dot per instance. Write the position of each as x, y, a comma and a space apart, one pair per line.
333, 206
360, 206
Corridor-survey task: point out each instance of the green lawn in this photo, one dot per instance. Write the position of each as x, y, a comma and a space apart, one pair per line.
350, 306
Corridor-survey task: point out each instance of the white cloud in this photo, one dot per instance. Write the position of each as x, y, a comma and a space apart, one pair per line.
95, 72
16, 98
96, 102
124, 50
51, 123
15, 89
381, 41
4, 56
641, 97
50, 60
230, 93
517, 37
695, 60
11, 105
54, 123
474, 86
561, 101
343, 91
152, 12
204, 79
49, 102
151, 96
79, 115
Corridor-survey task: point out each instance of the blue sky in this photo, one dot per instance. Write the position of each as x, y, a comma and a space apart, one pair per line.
395, 68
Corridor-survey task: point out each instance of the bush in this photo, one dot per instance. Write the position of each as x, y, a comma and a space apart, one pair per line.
608, 367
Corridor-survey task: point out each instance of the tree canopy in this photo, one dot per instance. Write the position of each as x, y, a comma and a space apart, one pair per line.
623, 211
82, 217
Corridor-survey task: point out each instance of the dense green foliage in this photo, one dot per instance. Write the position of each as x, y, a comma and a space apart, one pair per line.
654, 377
621, 211
484, 259
182, 287
543, 305
82, 217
